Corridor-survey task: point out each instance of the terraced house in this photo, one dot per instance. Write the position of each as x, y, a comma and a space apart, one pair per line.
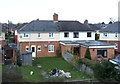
43, 37
111, 34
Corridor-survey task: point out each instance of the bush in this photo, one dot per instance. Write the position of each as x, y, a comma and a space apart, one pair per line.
87, 62
19, 62
58, 52
105, 71
87, 54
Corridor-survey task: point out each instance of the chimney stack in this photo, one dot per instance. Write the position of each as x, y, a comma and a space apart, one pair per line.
86, 22
55, 17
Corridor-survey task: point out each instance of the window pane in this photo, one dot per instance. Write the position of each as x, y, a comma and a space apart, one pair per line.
51, 48
66, 34
76, 35
38, 34
88, 34
39, 47
50, 34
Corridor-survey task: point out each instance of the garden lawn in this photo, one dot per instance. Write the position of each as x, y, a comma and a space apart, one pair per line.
25, 72
49, 63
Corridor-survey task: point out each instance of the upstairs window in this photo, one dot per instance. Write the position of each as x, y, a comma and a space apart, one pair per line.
88, 34
115, 34
26, 35
105, 34
75, 35
50, 35
66, 34
27, 48
38, 35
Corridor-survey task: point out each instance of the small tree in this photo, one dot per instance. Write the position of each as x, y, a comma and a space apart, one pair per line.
87, 54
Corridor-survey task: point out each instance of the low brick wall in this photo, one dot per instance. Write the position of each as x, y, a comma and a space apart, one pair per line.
81, 67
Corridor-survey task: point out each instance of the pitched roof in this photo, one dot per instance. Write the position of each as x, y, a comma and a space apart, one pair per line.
22, 25
43, 26
115, 27
72, 26
94, 27
47, 26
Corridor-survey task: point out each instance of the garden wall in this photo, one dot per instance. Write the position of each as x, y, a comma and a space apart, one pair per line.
80, 66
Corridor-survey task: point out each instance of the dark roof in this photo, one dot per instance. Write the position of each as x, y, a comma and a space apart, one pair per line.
115, 27
72, 26
43, 26
47, 26
22, 25
94, 27
87, 43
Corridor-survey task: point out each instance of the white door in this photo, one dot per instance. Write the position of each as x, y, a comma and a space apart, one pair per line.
33, 49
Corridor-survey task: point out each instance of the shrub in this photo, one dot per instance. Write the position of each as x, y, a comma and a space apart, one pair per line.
87, 54
19, 62
58, 52
104, 71
87, 62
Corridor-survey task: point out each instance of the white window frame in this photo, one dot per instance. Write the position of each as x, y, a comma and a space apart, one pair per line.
116, 35
116, 46
51, 35
105, 34
74, 35
65, 33
90, 35
52, 50
39, 36
26, 48
25, 35
38, 48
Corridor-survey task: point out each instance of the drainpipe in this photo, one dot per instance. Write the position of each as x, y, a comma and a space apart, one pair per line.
29, 40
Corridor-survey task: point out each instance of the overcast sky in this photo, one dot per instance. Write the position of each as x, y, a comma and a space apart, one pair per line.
27, 10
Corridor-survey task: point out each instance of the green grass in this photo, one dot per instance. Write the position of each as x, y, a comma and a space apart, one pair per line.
49, 63
36, 77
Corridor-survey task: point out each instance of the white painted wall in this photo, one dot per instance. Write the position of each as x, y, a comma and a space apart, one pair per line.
82, 36
110, 37
43, 37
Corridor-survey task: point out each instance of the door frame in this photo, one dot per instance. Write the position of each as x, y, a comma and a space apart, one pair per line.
35, 50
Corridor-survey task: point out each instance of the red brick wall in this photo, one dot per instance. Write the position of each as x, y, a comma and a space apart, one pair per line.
63, 48
44, 50
93, 53
113, 42
82, 51
110, 53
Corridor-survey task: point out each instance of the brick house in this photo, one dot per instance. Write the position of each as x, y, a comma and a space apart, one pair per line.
111, 34
43, 37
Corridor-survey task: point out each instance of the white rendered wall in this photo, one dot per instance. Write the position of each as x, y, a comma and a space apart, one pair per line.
82, 36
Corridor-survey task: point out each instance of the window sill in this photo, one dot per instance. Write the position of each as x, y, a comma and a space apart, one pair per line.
50, 51
25, 37
51, 37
